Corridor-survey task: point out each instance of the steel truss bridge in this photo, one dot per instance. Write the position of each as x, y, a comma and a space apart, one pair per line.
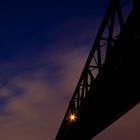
109, 84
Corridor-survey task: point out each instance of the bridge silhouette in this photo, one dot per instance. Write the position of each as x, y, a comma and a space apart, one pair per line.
108, 86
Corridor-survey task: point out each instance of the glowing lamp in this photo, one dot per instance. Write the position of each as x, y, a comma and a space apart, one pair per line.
72, 117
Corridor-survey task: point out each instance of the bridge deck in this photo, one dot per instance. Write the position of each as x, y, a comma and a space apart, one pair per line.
116, 90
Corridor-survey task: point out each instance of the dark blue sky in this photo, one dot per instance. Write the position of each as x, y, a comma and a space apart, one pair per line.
27, 28
29, 23
43, 48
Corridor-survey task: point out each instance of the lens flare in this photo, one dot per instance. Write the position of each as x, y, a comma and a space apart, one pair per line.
72, 117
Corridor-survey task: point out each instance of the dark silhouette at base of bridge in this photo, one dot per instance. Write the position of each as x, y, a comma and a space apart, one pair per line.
108, 86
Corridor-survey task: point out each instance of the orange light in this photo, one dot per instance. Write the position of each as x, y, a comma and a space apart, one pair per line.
72, 117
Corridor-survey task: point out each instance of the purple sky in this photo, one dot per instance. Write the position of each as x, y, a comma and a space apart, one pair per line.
43, 49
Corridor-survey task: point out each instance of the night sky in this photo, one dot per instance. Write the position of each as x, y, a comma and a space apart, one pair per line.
43, 48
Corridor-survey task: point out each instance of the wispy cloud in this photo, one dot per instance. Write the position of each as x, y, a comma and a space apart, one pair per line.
37, 86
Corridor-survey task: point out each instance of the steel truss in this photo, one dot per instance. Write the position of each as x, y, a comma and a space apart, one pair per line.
112, 24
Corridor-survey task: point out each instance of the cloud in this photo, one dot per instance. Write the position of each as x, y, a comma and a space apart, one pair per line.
37, 92
36, 86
